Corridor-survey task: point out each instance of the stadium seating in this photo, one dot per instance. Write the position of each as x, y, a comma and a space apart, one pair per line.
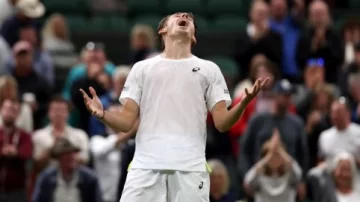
227, 65
194, 6
228, 24
143, 6
202, 24
152, 20
118, 23
354, 3
76, 23
64, 6
217, 7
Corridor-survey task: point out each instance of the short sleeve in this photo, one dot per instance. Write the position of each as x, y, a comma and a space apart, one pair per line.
217, 90
133, 86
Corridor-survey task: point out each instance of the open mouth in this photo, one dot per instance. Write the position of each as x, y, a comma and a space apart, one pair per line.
182, 23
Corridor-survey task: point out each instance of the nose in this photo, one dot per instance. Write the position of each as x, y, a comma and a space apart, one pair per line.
184, 15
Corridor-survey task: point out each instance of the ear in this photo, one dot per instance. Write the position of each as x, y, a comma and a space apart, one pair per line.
162, 31
193, 40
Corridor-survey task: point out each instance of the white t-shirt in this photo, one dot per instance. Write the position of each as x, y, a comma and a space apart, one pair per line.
174, 98
333, 141
352, 197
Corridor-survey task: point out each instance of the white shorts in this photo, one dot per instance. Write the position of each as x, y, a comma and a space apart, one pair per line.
166, 186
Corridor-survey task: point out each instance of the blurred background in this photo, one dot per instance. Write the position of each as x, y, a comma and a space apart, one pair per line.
299, 140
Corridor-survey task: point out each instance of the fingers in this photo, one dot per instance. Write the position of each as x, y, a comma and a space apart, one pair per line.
85, 95
247, 92
93, 92
263, 83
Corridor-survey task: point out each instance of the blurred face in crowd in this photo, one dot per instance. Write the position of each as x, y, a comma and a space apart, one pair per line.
105, 80
59, 27
343, 174
68, 161
29, 34
94, 69
357, 57
314, 75
9, 112
282, 102
179, 25
340, 115
24, 59
259, 13
58, 112
319, 14
355, 89
217, 182
278, 9
97, 56
263, 72
9, 91
322, 99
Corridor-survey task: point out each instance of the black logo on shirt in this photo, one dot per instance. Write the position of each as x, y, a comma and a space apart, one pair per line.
196, 69
201, 185
126, 88
226, 91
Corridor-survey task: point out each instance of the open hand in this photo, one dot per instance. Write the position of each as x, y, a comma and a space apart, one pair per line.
93, 104
259, 85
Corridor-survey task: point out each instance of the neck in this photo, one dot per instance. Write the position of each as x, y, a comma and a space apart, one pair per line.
280, 112
67, 173
22, 71
343, 126
177, 49
60, 127
9, 128
346, 189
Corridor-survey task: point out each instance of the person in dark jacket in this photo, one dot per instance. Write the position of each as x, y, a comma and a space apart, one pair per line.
320, 41
69, 181
258, 39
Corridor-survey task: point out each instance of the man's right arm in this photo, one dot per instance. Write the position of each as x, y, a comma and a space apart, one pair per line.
123, 120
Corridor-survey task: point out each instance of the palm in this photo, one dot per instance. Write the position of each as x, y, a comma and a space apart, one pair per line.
93, 104
255, 89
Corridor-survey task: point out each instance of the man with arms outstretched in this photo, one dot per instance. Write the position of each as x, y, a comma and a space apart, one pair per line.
171, 93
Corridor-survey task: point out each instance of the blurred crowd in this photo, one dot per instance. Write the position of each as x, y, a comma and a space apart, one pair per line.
298, 140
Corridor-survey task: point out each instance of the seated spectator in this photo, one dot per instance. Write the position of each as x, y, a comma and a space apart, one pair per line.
343, 136
96, 127
57, 42
92, 79
288, 23
320, 41
276, 176
291, 129
258, 39
335, 182
107, 158
16, 149
142, 44
33, 88
7, 9
262, 103
318, 119
42, 62
314, 77
353, 68
5, 54
351, 37
249, 81
9, 90
92, 53
68, 181
27, 11
354, 97
219, 182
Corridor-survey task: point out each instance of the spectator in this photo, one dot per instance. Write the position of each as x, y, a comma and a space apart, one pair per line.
106, 152
92, 79
68, 181
142, 44
9, 90
248, 82
275, 177
335, 182
318, 119
127, 155
27, 11
219, 182
291, 130
57, 41
7, 9
42, 62
262, 103
32, 88
353, 68
288, 24
354, 91
314, 77
92, 53
258, 39
351, 36
320, 41
16, 149
5, 53
96, 127
343, 136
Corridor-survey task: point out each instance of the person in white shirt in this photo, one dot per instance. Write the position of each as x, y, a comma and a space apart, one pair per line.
171, 94
344, 136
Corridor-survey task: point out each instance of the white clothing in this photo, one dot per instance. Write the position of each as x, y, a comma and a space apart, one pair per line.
107, 164
333, 141
6, 10
352, 197
66, 192
163, 186
24, 120
174, 97
43, 141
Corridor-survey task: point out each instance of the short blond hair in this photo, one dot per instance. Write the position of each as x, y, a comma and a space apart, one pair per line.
146, 32
7, 80
217, 167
